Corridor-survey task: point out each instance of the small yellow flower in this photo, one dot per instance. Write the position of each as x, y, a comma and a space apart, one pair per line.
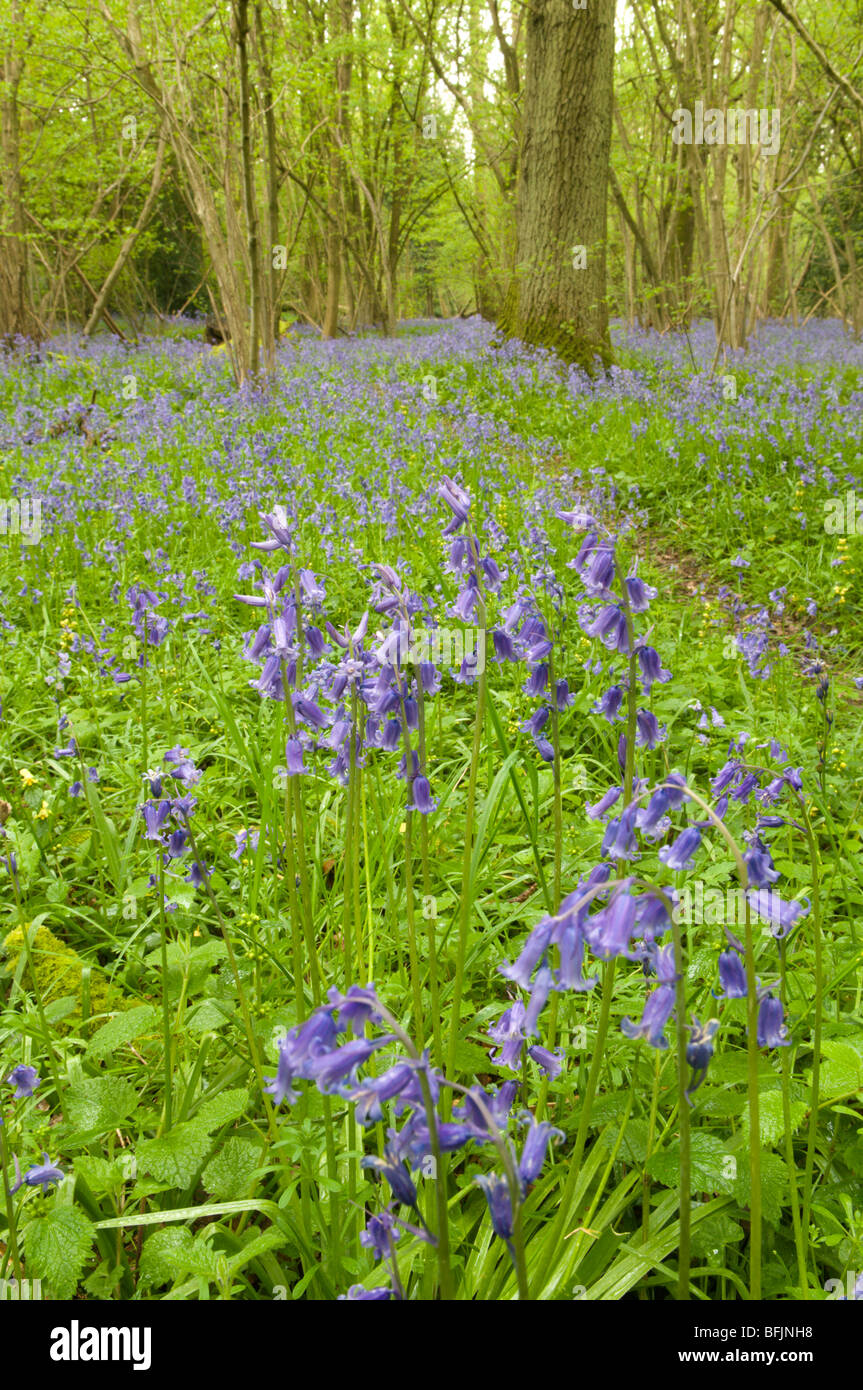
27, 778
44, 811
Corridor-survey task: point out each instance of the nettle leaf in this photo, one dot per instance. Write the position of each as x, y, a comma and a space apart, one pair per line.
100, 1174
209, 1015
842, 1073
228, 1174
122, 1028
771, 1120
177, 1157
170, 1253
221, 1109
58, 1246
709, 1236
774, 1181
713, 1168
99, 1103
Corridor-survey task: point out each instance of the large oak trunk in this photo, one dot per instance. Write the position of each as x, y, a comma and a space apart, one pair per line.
557, 295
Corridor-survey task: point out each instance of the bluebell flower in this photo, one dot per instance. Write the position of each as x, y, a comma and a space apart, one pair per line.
294, 765
609, 931
732, 976
24, 1078
40, 1175
771, 1031
599, 808
370, 1094
609, 704
329, 1068
609, 625
358, 1294
423, 801
619, 841
381, 1230
657, 1011
496, 1190
540, 991
549, 1063
782, 915
680, 854
531, 954
155, 813
509, 1033
699, 1050
648, 732
391, 1167
651, 668
640, 594
539, 1136
359, 1006
759, 865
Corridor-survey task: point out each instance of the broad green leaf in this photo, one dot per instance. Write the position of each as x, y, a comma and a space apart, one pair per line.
99, 1103
228, 1173
122, 1028
226, 1106
57, 1246
178, 1156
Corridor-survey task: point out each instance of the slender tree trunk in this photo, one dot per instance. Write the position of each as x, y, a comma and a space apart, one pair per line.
241, 15
16, 314
557, 297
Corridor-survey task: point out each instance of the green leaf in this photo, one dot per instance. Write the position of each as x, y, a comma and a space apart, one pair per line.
227, 1106
58, 1246
842, 1073
169, 1254
712, 1167
100, 1174
771, 1120
715, 1232
177, 1157
774, 1180
228, 1173
99, 1103
122, 1028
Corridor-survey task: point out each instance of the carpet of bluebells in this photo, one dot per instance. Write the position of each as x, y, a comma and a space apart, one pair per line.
431, 819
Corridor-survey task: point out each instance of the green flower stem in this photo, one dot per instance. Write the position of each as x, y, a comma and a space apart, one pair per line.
814, 1092
445, 1279
355, 838
416, 984
512, 1182
12, 1237
430, 917
751, 1055
685, 1207
238, 985
348, 858
300, 823
466, 900
167, 1031
59, 1086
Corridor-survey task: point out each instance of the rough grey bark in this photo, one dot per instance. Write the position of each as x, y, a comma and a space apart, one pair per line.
563, 179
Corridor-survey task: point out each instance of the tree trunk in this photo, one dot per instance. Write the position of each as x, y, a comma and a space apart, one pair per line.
557, 296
